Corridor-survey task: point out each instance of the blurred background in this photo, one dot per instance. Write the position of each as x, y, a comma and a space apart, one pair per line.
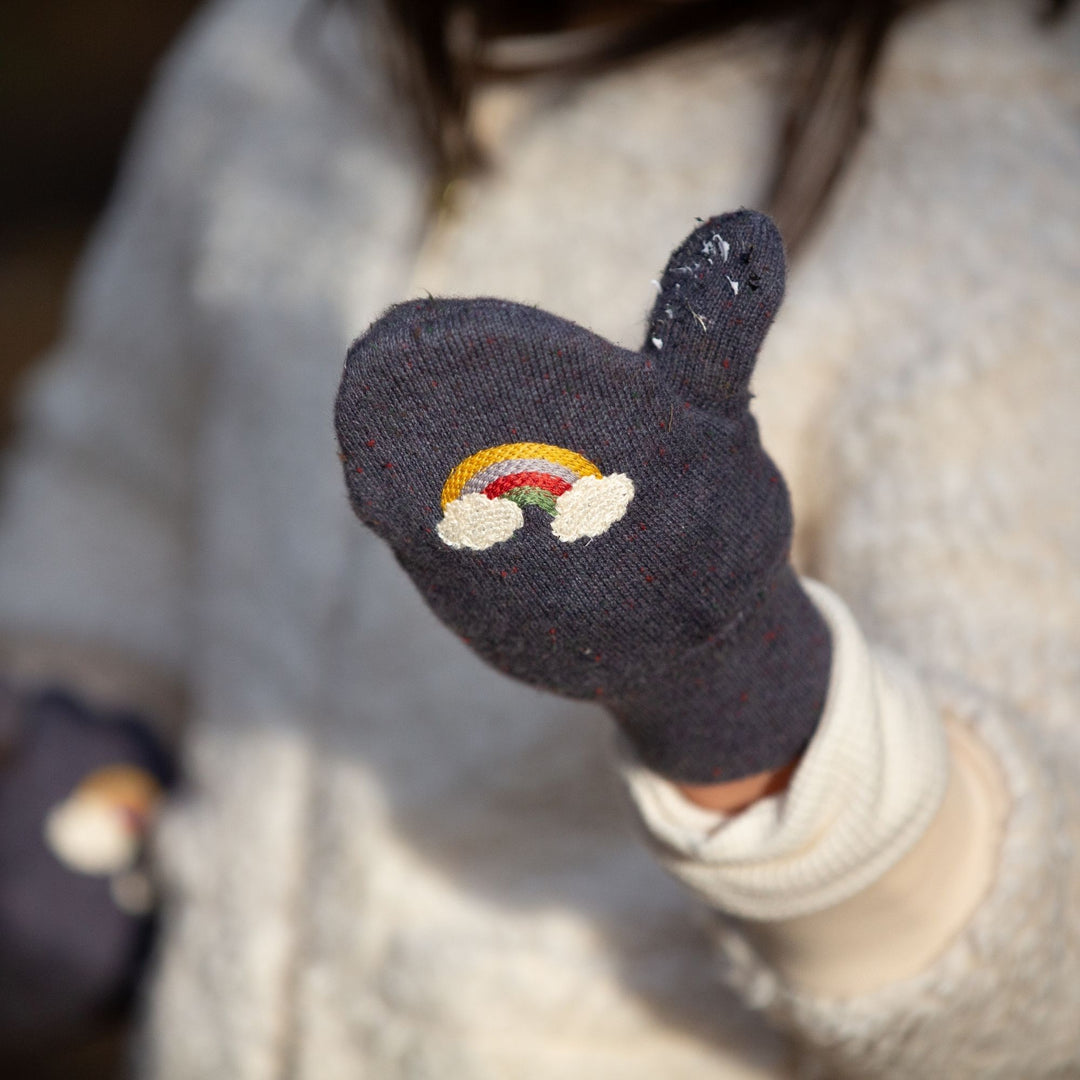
72, 73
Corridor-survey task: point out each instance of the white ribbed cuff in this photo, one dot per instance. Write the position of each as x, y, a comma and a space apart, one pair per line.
867, 787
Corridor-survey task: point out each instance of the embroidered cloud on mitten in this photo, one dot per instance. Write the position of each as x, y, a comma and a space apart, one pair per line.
484, 497
600, 522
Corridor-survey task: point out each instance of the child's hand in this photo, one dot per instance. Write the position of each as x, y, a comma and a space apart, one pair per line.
600, 522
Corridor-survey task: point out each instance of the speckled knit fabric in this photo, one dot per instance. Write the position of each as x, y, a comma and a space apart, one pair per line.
600, 522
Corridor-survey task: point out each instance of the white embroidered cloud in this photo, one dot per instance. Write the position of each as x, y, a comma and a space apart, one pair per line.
475, 521
591, 506
90, 835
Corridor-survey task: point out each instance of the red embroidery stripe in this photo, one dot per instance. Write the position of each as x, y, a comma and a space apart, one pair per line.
502, 484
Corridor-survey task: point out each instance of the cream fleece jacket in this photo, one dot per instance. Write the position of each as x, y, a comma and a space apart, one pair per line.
392, 862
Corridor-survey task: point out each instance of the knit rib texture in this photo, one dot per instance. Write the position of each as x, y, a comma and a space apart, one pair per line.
866, 790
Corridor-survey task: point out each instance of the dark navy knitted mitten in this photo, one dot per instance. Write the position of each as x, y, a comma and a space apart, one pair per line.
78, 790
599, 522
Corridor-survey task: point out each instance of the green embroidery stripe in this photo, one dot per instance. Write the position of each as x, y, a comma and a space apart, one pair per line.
532, 496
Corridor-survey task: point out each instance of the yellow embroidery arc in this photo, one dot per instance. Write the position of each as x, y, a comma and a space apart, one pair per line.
483, 458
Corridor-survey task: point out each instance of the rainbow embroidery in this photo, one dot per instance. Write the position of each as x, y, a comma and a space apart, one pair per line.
484, 496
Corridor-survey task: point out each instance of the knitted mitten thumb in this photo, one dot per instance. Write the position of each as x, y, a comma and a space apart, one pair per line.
599, 522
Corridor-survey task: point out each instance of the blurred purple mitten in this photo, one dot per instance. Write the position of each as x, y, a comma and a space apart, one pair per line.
77, 792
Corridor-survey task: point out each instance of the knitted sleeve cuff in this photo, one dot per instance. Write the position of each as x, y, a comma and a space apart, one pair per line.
868, 786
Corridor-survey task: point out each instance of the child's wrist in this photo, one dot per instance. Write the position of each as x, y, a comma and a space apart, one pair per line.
736, 795
866, 789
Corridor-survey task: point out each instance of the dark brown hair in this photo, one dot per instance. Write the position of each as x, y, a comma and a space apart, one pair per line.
443, 50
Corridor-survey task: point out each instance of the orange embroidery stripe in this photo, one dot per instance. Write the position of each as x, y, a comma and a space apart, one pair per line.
483, 458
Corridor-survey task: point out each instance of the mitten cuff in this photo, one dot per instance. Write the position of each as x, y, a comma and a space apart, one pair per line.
868, 786
745, 701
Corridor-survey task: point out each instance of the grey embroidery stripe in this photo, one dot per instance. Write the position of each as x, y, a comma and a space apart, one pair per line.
516, 465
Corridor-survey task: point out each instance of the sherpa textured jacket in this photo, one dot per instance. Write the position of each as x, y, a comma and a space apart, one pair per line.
391, 861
